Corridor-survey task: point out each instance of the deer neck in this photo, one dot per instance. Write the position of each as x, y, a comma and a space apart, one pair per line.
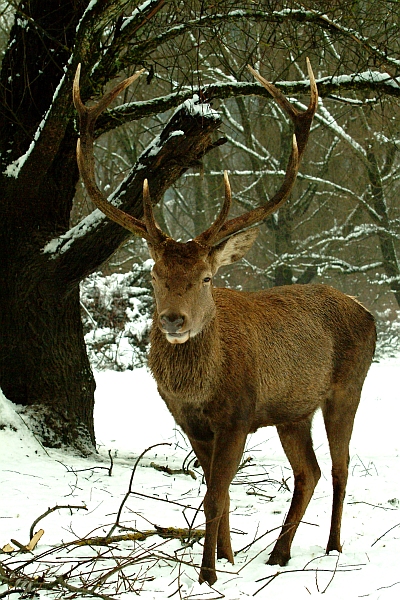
187, 371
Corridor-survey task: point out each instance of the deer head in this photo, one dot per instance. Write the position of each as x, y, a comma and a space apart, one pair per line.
183, 272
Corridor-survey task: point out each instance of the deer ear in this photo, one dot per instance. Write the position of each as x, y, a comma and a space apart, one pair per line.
152, 251
232, 249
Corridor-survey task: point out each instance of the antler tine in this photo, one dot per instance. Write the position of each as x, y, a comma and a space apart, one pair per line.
314, 90
154, 231
85, 157
95, 110
262, 212
207, 237
301, 120
302, 124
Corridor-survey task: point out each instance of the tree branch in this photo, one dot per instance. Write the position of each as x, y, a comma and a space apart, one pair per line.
327, 86
140, 50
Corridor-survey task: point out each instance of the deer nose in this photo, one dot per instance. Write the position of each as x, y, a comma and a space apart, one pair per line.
172, 323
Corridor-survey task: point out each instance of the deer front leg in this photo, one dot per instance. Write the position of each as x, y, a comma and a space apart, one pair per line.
204, 452
226, 454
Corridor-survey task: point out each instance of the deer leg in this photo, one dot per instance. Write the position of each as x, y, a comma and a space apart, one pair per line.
297, 444
227, 452
203, 451
339, 413
224, 546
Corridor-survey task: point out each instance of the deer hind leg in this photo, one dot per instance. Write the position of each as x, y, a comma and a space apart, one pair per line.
297, 444
219, 471
339, 412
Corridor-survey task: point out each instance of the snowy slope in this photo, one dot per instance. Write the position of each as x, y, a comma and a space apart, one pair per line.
130, 417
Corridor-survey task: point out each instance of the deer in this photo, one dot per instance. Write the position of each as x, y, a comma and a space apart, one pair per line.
228, 362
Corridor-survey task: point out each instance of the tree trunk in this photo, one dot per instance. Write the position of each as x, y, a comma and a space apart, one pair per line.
389, 257
283, 246
43, 363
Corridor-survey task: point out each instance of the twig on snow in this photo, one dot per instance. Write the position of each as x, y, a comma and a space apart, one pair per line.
253, 492
51, 510
383, 534
270, 578
373, 505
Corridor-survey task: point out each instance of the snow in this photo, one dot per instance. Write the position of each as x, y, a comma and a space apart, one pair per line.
194, 106
89, 7
140, 9
130, 417
117, 317
62, 243
14, 168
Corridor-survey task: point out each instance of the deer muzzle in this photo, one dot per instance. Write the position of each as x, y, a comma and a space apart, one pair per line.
171, 325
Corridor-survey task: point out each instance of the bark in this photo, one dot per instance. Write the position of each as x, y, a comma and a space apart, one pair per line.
389, 257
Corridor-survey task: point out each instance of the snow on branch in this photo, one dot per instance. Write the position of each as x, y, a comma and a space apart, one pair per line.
327, 87
88, 9
137, 14
62, 243
193, 107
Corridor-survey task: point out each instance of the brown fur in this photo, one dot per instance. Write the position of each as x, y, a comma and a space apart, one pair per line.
266, 358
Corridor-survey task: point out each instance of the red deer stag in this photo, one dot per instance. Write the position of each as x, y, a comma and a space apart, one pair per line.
229, 362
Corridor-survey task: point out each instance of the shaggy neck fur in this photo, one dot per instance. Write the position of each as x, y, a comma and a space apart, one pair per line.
188, 370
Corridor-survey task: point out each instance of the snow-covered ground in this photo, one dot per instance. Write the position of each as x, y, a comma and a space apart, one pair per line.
130, 417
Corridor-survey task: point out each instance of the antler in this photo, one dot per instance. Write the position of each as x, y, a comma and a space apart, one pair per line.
207, 237
302, 124
221, 228
84, 151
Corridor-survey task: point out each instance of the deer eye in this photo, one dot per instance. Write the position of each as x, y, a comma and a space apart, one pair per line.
206, 279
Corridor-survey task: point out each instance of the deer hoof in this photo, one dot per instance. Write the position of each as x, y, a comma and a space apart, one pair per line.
278, 558
208, 575
228, 554
333, 545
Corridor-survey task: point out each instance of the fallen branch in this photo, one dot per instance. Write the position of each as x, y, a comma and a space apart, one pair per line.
100, 566
167, 469
13, 591
164, 532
